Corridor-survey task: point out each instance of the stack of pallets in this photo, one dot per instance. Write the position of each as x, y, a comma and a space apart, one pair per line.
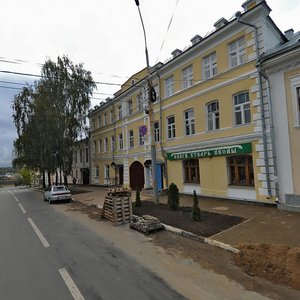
117, 205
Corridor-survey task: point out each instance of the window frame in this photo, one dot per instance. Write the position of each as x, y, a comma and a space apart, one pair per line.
171, 128
187, 77
156, 131
213, 116
121, 141
189, 166
189, 122
105, 145
129, 107
238, 54
249, 170
130, 139
244, 106
120, 112
169, 86
210, 65
106, 171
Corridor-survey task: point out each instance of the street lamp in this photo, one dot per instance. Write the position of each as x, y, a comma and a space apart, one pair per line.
150, 97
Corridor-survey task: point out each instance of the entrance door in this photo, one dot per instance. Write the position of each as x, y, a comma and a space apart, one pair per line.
137, 178
85, 176
159, 177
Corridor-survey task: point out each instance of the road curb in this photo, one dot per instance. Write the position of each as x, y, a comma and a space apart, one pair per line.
201, 239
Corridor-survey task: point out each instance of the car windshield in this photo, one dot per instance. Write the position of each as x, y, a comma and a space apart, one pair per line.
59, 188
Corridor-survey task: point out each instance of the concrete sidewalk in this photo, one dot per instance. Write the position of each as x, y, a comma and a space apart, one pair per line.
263, 224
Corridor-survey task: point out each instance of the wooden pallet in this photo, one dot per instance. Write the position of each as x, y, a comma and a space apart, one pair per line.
117, 206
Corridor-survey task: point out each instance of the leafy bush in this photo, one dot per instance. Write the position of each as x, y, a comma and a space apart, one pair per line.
173, 197
196, 212
138, 201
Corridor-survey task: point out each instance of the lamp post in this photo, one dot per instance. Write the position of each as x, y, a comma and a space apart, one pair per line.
150, 95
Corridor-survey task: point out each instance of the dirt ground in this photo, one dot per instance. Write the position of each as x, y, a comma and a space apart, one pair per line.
211, 223
271, 270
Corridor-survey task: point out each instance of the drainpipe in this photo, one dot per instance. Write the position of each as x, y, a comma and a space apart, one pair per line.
258, 67
272, 134
163, 152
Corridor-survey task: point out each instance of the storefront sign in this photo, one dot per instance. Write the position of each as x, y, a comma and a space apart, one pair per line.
209, 152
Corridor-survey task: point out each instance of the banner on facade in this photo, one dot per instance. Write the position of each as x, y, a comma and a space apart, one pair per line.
209, 152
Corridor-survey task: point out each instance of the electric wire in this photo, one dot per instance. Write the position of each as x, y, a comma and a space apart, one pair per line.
168, 28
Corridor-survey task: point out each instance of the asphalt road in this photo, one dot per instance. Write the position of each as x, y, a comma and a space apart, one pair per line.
47, 255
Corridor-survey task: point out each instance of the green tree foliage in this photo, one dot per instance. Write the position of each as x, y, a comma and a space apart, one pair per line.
173, 197
51, 115
196, 212
27, 176
138, 201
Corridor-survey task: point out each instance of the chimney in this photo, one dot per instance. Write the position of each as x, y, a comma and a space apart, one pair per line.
176, 52
250, 4
289, 33
220, 23
197, 38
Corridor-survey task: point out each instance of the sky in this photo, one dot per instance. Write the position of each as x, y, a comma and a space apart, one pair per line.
106, 36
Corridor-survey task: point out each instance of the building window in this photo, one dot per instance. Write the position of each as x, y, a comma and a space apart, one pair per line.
131, 139
87, 155
81, 155
111, 117
99, 146
93, 124
156, 131
120, 141
237, 52
94, 150
169, 86
241, 170
210, 66
129, 107
171, 127
75, 157
242, 111
191, 171
187, 77
156, 89
213, 116
298, 104
97, 172
189, 122
105, 119
140, 102
112, 143
105, 146
120, 115
141, 138
99, 121
106, 171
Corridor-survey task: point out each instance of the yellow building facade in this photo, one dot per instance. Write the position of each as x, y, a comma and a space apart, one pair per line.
211, 119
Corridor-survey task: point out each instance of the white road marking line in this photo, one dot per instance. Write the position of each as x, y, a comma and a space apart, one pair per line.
39, 234
22, 208
70, 284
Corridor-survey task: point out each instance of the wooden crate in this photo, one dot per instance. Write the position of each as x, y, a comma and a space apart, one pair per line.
117, 206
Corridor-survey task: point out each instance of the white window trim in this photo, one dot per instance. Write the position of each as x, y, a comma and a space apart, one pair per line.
213, 116
241, 105
169, 86
190, 122
187, 77
239, 52
295, 83
173, 125
211, 64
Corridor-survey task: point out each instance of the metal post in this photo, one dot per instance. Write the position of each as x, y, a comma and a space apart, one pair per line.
153, 146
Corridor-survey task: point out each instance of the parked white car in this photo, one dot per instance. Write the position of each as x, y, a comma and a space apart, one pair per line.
57, 193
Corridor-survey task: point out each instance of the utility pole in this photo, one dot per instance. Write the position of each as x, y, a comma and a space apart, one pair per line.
150, 98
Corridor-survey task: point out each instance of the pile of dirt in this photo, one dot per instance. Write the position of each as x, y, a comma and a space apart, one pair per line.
277, 263
211, 223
